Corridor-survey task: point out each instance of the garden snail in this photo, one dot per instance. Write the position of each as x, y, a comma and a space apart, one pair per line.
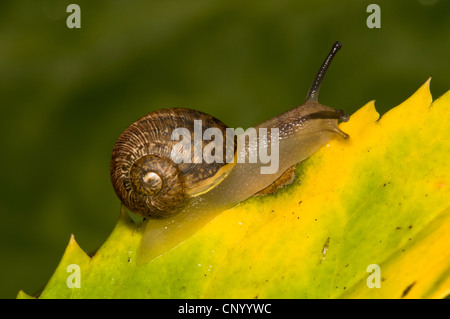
179, 197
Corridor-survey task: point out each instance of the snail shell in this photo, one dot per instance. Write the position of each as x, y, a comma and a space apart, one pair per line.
143, 173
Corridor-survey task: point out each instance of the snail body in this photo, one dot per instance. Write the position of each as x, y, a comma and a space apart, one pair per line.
178, 198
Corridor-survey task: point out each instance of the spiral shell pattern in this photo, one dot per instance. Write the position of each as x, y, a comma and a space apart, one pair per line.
143, 174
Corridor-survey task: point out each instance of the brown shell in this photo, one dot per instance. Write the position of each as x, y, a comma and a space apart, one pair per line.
143, 174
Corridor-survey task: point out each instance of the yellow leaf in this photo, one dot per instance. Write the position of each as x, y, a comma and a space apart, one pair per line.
380, 198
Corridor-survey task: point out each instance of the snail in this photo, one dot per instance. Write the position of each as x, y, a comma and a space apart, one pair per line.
176, 198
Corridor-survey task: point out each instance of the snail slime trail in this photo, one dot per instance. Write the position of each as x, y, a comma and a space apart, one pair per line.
177, 199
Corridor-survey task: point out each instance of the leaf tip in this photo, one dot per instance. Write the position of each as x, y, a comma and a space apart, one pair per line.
359, 120
426, 87
417, 103
24, 295
74, 249
425, 90
368, 112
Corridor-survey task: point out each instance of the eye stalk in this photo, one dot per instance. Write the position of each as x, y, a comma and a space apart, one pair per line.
313, 93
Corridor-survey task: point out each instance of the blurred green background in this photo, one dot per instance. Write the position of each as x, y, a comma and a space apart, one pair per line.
67, 94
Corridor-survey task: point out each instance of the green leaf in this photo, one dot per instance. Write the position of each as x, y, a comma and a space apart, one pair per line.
380, 198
